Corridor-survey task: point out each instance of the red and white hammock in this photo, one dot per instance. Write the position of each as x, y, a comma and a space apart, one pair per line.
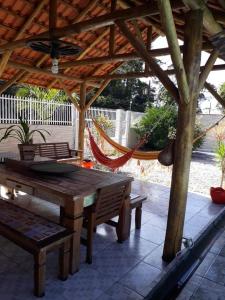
105, 160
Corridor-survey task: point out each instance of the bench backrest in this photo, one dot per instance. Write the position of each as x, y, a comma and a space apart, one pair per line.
109, 201
53, 150
27, 225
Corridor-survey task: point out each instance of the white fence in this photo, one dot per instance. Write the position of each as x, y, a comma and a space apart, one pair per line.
36, 111
39, 112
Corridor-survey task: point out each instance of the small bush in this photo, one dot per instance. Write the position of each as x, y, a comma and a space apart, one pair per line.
160, 122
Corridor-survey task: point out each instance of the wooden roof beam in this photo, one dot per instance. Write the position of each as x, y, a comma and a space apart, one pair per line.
120, 57
92, 24
220, 67
44, 72
141, 49
10, 82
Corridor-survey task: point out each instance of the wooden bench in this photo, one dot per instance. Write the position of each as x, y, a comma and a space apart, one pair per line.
37, 236
135, 203
58, 151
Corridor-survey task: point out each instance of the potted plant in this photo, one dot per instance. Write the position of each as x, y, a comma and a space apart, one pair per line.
218, 193
24, 135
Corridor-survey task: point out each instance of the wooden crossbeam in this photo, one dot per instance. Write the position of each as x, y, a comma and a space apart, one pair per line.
208, 68
140, 48
69, 94
92, 24
214, 93
171, 35
97, 94
116, 76
10, 82
121, 57
112, 30
45, 72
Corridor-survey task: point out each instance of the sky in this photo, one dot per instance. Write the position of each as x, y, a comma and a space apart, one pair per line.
216, 77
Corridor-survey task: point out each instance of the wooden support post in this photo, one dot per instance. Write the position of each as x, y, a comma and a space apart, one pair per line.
184, 136
82, 119
170, 29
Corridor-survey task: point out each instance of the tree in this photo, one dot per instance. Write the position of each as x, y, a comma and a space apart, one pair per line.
41, 94
131, 94
160, 123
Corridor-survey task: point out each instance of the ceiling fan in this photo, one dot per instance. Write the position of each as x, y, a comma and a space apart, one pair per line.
52, 45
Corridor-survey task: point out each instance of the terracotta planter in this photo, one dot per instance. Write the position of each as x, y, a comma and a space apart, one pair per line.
27, 151
217, 195
88, 164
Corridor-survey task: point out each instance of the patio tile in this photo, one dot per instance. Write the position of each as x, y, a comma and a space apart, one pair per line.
157, 220
218, 245
209, 290
211, 210
15, 253
114, 263
135, 247
190, 288
199, 221
206, 264
151, 233
6, 264
156, 208
155, 258
146, 216
140, 278
120, 292
16, 284
194, 199
222, 252
87, 284
216, 272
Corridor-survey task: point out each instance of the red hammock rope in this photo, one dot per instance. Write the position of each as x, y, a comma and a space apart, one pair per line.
105, 160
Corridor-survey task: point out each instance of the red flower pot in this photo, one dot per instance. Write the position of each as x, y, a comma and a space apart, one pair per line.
88, 164
217, 195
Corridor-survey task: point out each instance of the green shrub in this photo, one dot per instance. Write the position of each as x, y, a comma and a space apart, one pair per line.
160, 122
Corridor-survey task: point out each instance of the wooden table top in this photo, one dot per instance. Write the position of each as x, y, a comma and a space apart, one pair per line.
80, 183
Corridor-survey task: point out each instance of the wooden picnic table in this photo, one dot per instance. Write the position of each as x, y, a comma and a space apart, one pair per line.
68, 191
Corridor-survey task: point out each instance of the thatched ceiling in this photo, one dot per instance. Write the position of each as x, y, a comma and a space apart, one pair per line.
23, 19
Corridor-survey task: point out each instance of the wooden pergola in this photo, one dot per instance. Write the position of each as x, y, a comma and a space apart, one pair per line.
111, 33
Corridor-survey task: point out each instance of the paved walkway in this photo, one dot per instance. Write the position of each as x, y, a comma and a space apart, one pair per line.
119, 271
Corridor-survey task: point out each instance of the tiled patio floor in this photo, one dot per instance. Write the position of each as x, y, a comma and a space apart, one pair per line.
119, 271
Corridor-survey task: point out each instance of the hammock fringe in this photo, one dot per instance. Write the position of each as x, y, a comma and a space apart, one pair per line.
148, 155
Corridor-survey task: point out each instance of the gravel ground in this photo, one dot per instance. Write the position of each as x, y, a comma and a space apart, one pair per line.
204, 173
